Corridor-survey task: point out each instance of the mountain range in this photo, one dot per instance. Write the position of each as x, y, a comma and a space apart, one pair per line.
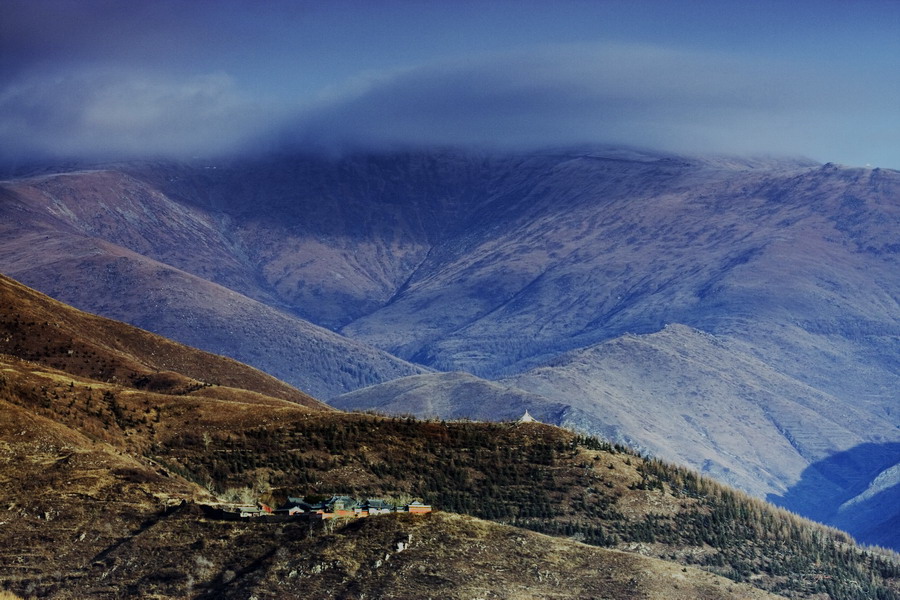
737, 316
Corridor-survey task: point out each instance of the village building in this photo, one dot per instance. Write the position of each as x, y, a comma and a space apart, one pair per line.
375, 506
418, 508
293, 508
339, 506
250, 511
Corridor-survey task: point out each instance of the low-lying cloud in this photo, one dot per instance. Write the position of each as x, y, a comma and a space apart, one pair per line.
639, 95
125, 114
631, 94
555, 96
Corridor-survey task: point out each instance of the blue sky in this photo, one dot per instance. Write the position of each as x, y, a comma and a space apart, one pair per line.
109, 79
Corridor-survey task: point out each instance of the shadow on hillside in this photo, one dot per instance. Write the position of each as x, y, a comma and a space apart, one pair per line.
829, 483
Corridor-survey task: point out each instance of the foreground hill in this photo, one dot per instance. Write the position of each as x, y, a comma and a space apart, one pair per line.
400, 556
100, 477
71, 463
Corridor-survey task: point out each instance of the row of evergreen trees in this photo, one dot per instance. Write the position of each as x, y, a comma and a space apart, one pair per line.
546, 480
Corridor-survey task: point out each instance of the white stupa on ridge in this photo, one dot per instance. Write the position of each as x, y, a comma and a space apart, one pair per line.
527, 418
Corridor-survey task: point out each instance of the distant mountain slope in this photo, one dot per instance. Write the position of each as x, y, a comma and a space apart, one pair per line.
337, 239
802, 265
494, 263
874, 515
450, 396
715, 408
78, 237
857, 490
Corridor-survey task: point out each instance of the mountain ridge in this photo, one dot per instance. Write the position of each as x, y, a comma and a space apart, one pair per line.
496, 264
149, 293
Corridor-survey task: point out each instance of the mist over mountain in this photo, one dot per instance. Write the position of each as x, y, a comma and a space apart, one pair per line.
91, 80
556, 271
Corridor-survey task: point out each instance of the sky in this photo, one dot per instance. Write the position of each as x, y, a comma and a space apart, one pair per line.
102, 79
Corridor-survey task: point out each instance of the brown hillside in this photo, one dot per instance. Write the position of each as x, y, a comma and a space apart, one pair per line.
98, 480
84, 517
37, 328
400, 556
65, 499
135, 449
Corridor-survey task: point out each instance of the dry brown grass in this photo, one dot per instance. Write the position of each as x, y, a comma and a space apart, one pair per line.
452, 556
38, 328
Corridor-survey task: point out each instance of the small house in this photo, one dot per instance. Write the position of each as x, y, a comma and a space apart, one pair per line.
418, 508
250, 511
374, 506
294, 506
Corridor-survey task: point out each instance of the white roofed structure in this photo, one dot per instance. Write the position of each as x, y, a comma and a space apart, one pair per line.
527, 418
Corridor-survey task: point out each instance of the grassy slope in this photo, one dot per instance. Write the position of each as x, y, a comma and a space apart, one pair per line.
86, 515
534, 476
537, 477
38, 328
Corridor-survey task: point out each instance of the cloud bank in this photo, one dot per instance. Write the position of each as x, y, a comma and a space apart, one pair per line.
615, 93
611, 93
117, 114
